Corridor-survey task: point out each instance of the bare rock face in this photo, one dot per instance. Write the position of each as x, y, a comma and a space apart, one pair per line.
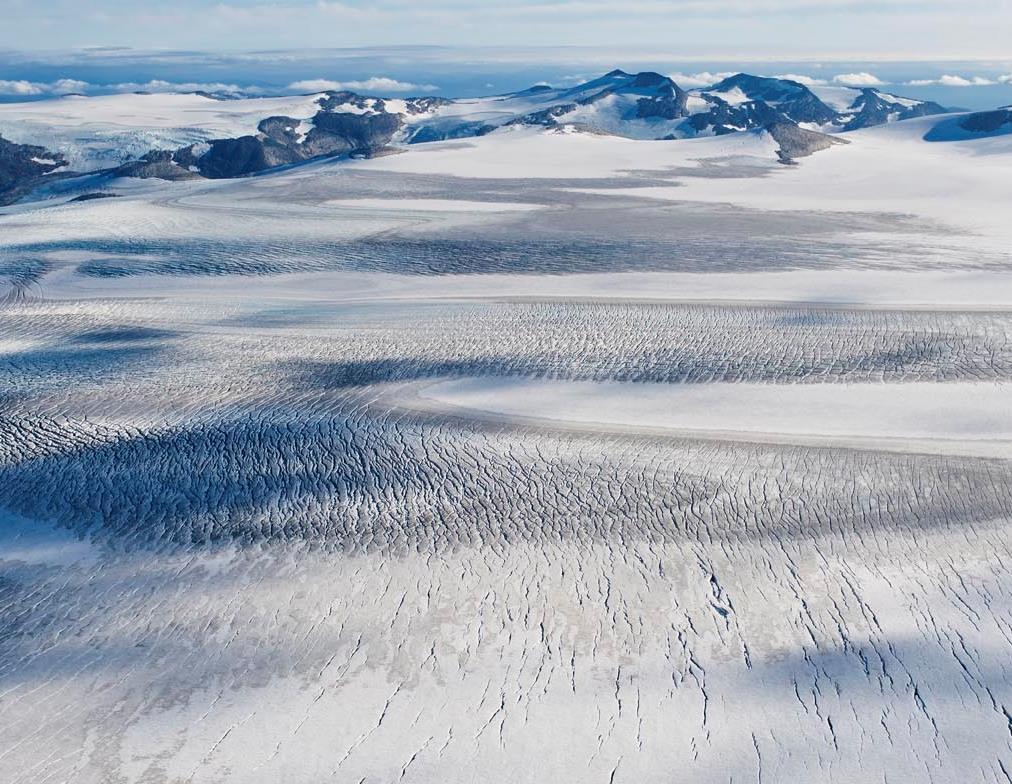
637, 105
669, 101
873, 107
157, 164
21, 164
793, 100
281, 129
796, 142
281, 140
357, 133
724, 118
547, 117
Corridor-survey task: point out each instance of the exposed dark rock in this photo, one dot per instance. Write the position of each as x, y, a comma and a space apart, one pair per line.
281, 140
440, 132
94, 196
650, 79
357, 132
353, 125
242, 156
798, 142
669, 101
547, 117
157, 164
791, 99
20, 163
727, 118
872, 107
426, 104
283, 130
337, 98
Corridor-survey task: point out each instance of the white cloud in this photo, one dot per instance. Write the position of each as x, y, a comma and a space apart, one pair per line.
787, 30
20, 87
374, 84
24, 87
161, 86
952, 80
701, 79
958, 81
64, 86
802, 79
1006, 79
862, 79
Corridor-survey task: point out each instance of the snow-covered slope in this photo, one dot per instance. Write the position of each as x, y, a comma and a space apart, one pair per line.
892, 168
103, 131
542, 456
970, 127
228, 138
652, 106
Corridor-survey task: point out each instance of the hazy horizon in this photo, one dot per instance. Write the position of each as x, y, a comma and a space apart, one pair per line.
461, 72
709, 28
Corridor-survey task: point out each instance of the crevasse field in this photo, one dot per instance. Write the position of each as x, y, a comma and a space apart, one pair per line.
535, 457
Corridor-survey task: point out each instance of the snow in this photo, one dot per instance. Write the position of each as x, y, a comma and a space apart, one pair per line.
906, 102
535, 153
431, 205
734, 96
396, 105
371, 106
952, 130
535, 457
301, 131
160, 111
888, 168
616, 114
694, 104
100, 131
916, 289
836, 97
494, 110
612, 113
954, 418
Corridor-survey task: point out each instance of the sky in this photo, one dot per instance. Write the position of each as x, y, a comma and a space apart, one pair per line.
709, 29
956, 53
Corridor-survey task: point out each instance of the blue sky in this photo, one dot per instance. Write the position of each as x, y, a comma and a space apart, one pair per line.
710, 29
957, 53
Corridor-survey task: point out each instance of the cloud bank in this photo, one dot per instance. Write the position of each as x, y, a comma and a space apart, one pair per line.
35, 89
372, 84
952, 80
28, 89
701, 79
862, 79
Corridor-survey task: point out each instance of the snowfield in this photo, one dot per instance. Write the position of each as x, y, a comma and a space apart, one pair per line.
107, 130
539, 456
956, 418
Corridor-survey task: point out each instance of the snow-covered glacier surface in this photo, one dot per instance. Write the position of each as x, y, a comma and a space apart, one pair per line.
535, 458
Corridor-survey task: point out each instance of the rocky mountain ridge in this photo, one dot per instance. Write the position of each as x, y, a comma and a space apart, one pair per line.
643, 105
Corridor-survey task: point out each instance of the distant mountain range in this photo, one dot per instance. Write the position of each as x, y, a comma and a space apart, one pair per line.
639, 106
646, 105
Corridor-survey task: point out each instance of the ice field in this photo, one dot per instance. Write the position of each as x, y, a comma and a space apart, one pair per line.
533, 457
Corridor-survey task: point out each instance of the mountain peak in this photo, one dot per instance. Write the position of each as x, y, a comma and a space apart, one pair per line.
649, 79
